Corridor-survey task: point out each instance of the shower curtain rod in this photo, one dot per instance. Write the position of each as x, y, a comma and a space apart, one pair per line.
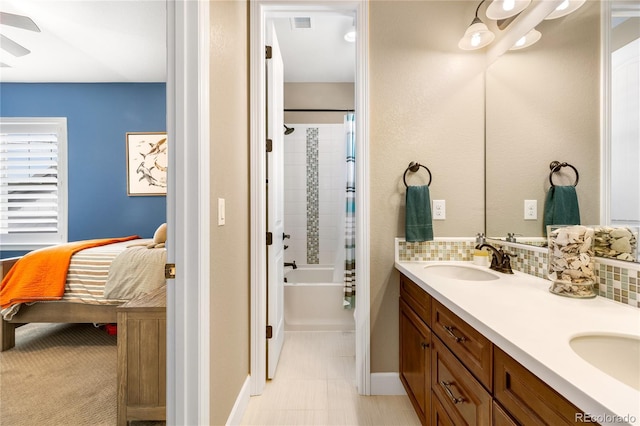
317, 110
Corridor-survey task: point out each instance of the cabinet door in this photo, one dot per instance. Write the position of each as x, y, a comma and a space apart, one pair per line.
415, 341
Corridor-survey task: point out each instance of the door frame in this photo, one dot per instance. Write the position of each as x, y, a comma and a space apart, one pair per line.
258, 10
188, 213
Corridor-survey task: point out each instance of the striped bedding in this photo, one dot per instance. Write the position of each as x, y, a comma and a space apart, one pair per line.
87, 276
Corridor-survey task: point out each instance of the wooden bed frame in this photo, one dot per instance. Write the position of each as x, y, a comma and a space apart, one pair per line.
58, 312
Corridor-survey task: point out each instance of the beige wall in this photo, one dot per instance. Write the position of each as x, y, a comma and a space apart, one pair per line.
543, 104
229, 180
426, 100
317, 96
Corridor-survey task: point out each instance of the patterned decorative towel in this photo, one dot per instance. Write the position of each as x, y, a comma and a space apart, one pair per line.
418, 220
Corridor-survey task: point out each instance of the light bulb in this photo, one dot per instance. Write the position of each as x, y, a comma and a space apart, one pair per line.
475, 40
508, 5
527, 40
565, 8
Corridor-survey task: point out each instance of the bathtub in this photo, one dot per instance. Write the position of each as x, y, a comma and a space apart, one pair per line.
312, 302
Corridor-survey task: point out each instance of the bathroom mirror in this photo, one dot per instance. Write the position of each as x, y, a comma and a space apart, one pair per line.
543, 104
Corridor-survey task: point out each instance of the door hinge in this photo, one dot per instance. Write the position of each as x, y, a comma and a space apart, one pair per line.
268, 52
269, 238
170, 271
269, 145
269, 332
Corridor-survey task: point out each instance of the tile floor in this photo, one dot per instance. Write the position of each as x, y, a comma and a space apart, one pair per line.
315, 385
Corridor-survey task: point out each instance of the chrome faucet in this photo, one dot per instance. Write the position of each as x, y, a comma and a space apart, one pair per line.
292, 264
500, 260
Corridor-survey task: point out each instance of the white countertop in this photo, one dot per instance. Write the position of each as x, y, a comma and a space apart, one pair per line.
519, 314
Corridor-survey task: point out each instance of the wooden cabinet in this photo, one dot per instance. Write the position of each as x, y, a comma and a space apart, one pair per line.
464, 399
527, 398
415, 342
415, 360
454, 375
142, 358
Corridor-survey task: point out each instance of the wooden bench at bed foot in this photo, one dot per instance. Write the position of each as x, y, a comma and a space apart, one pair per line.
7, 335
7, 330
55, 312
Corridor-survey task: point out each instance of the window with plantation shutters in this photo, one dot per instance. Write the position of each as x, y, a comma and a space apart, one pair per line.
33, 182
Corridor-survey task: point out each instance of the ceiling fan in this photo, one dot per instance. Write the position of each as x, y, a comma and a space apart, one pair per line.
18, 21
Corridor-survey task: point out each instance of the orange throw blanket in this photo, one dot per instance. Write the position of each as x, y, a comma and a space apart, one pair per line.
42, 274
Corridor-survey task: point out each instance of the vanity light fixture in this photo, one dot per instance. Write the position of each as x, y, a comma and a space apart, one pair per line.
477, 35
565, 8
527, 40
503, 9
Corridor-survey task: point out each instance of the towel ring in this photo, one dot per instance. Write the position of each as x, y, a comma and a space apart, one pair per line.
555, 166
414, 167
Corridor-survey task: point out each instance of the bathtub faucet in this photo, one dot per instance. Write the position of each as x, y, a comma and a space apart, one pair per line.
292, 264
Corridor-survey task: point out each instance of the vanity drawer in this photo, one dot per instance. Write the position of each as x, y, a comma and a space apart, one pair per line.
462, 396
439, 416
472, 348
527, 398
418, 299
500, 417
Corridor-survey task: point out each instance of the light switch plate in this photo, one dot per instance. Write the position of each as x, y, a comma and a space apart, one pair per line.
439, 210
221, 212
530, 209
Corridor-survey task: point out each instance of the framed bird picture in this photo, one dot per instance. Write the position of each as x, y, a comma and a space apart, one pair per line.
146, 163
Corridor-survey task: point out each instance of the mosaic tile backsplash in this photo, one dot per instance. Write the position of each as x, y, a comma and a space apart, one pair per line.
619, 281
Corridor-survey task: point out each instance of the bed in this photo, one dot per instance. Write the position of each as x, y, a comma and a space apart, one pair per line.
98, 280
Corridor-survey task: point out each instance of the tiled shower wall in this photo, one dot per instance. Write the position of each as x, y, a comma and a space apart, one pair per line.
314, 186
618, 280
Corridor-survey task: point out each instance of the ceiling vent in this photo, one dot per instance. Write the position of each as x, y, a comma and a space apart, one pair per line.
301, 23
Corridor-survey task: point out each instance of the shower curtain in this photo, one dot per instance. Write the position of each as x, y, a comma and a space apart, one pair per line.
350, 220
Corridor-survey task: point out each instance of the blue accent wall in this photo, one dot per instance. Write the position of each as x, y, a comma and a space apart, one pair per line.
98, 117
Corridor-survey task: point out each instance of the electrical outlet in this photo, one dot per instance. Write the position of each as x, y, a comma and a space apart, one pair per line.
439, 210
530, 209
221, 212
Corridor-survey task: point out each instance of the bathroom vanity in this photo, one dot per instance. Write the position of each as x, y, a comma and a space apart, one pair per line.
482, 348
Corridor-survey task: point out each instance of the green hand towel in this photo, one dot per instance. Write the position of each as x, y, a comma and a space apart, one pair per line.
561, 207
418, 225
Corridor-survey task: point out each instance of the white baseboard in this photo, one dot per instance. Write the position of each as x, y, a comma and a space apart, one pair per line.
240, 406
386, 384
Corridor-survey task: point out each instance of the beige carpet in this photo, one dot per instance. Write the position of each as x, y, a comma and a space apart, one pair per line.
59, 374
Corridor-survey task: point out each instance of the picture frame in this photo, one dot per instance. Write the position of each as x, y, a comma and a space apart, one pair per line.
146, 163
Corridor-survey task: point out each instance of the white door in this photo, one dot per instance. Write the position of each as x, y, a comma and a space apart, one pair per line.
275, 202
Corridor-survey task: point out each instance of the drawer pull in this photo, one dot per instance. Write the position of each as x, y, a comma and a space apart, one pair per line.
449, 330
450, 394
424, 345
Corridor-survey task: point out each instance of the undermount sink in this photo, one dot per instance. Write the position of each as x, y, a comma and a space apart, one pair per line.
618, 356
461, 272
